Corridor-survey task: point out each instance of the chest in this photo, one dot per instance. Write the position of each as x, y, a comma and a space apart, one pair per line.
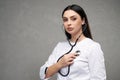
81, 60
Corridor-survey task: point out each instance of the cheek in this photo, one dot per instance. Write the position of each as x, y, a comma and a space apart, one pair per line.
65, 25
78, 26
79, 22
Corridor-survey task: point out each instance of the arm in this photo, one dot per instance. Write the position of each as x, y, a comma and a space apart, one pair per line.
52, 70
63, 62
51, 60
51, 67
96, 64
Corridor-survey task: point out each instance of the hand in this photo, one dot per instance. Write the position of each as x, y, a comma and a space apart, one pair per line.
67, 59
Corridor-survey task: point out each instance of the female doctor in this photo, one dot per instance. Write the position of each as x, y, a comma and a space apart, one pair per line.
78, 58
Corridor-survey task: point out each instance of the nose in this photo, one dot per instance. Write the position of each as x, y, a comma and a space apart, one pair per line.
69, 22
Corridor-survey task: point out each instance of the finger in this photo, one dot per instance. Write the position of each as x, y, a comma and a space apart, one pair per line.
70, 59
71, 63
73, 57
72, 54
76, 54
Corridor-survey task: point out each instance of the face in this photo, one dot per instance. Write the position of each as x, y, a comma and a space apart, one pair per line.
72, 22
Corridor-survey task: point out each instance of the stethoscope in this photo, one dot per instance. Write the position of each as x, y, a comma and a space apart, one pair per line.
72, 46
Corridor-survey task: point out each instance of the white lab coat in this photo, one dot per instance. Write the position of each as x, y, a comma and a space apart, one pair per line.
89, 65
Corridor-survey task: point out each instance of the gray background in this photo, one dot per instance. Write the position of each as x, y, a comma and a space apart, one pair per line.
30, 29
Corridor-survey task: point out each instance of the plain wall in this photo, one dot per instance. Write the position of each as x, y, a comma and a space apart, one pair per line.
30, 29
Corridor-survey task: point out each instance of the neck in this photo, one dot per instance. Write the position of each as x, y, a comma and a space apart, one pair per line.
74, 38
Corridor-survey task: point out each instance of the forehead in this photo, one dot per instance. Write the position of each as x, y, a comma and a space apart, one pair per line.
70, 13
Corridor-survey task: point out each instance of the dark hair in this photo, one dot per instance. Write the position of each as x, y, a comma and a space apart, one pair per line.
81, 12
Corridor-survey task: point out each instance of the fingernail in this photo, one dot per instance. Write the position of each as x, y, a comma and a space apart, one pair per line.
77, 54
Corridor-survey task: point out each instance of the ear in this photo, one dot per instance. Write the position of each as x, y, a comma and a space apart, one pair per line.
83, 21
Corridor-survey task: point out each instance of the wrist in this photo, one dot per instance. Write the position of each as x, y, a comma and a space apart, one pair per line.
58, 65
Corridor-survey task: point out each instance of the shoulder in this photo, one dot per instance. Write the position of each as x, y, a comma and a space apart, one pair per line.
91, 43
94, 47
91, 46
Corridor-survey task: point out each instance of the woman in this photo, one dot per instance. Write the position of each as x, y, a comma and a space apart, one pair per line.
78, 58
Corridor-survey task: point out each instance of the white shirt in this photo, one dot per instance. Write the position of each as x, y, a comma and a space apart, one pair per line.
89, 65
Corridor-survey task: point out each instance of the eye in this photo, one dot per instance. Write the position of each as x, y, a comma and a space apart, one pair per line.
65, 19
73, 18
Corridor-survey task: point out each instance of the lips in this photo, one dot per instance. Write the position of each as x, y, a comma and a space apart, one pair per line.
69, 29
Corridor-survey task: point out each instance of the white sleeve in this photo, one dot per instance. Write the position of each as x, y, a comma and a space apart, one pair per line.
51, 60
97, 63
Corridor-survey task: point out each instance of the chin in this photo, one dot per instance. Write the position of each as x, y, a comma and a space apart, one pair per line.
71, 33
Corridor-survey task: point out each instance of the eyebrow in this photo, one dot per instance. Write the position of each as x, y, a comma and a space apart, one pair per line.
70, 16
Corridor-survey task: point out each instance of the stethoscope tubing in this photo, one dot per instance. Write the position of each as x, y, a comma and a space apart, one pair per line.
72, 46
